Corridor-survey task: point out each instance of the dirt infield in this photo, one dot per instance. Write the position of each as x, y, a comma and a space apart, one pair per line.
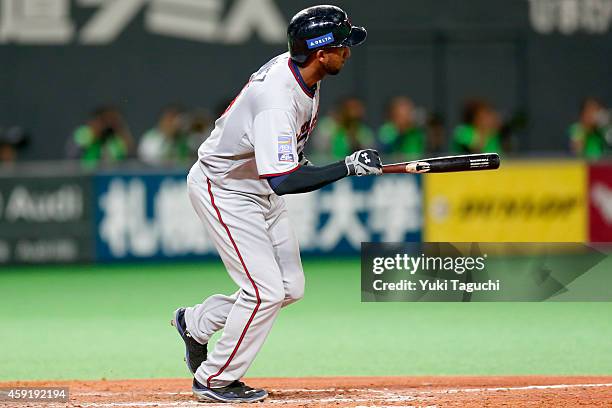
533, 391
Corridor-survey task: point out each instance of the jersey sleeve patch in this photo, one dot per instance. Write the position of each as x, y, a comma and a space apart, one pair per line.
274, 142
286, 157
285, 149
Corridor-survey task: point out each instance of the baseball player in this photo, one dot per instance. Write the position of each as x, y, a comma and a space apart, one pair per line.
253, 156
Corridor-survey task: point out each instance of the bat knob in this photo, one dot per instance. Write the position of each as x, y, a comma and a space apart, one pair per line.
495, 162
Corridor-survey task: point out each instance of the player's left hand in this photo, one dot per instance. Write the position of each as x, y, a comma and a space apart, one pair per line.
364, 163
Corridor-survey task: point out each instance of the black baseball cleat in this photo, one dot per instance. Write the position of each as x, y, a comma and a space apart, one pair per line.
236, 392
195, 353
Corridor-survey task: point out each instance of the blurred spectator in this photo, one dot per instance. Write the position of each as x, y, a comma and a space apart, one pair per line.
479, 131
436, 135
168, 142
401, 133
105, 138
587, 136
11, 141
200, 126
8, 153
344, 131
508, 130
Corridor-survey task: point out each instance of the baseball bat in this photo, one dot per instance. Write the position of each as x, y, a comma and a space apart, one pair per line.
447, 164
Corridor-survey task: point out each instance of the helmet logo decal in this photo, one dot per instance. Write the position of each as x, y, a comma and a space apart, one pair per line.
320, 41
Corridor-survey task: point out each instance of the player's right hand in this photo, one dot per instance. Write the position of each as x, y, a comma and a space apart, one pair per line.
364, 163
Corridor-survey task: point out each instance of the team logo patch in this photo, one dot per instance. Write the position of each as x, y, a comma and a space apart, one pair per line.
286, 157
320, 41
285, 146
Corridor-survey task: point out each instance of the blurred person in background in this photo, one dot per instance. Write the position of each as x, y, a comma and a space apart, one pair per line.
105, 138
479, 130
401, 133
508, 131
436, 134
344, 131
200, 126
587, 136
12, 140
168, 142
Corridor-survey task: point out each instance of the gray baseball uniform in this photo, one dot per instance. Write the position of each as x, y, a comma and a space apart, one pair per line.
260, 135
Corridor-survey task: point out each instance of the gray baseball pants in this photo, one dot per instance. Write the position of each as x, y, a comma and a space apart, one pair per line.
260, 251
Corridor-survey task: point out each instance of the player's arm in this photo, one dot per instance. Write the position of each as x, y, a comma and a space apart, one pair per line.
274, 139
309, 178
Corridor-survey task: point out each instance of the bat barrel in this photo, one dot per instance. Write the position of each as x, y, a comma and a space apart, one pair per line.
470, 162
447, 164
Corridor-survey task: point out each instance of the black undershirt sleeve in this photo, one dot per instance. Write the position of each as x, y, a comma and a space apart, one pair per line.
308, 178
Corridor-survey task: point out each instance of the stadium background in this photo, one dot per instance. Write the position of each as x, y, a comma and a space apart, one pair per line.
112, 252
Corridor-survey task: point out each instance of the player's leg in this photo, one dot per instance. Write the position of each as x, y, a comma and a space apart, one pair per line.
286, 251
238, 228
213, 312
208, 317
205, 319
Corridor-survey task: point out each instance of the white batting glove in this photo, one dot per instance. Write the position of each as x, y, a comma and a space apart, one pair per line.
364, 163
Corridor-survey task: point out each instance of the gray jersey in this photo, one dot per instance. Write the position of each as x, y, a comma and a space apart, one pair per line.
263, 131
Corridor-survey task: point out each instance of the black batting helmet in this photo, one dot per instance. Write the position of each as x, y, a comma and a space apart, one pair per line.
321, 27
